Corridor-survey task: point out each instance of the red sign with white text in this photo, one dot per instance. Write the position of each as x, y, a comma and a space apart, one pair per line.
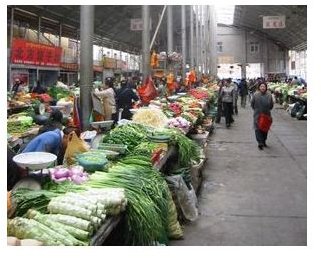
26, 52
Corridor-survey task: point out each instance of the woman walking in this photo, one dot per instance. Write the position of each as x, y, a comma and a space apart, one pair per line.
262, 102
228, 99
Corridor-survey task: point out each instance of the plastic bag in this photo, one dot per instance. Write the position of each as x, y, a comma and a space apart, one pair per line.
186, 198
147, 91
264, 122
74, 147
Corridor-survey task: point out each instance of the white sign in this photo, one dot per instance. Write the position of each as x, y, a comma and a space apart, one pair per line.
136, 24
273, 22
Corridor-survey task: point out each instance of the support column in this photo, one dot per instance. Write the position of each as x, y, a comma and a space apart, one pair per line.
169, 29
60, 33
39, 31
146, 41
183, 41
243, 67
86, 63
9, 81
77, 56
192, 63
197, 39
201, 39
214, 39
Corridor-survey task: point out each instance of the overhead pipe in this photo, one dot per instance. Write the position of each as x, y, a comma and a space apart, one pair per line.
157, 28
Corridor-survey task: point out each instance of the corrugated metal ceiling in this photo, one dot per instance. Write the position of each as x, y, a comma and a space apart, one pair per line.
293, 36
112, 23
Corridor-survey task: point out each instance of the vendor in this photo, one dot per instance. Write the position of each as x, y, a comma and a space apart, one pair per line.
17, 87
14, 173
125, 97
54, 142
54, 122
39, 89
108, 96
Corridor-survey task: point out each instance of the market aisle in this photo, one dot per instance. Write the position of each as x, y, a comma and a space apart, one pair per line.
253, 197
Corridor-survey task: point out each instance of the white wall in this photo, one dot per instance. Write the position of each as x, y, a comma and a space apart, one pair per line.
236, 48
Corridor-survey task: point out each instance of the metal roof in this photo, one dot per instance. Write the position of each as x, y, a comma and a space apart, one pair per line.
112, 23
293, 36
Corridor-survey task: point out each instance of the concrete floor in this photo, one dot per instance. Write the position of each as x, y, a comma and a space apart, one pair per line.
251, 197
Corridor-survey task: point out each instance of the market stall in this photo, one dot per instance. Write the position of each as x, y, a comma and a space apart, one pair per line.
144, 173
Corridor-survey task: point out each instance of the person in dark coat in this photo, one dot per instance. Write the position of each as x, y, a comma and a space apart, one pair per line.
243, 92
219, 103
39, 89
262, 102
125, 97
54, 122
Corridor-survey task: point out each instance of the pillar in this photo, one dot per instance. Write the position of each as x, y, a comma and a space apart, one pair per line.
86, 63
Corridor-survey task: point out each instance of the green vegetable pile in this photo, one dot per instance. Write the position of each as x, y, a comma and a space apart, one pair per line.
149, 200
26, 199
130, 135
144, 149
58, 93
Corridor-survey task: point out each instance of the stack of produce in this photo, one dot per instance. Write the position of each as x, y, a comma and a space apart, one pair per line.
176, 108
199, 93
152, 117
188, 149
179, 123
19, 123
149, 217
75, 174
73, 218
130, 135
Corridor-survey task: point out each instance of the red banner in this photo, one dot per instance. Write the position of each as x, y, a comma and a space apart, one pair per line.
26, 52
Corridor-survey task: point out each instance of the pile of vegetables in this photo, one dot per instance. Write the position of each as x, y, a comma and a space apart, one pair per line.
73, 218
76, 174
25, 199
58, 92
199, 93
145, 149
188, 149
17, 124
130, 135
149, 217
189, 117
180, 123
176, 108
152, 117
92, 161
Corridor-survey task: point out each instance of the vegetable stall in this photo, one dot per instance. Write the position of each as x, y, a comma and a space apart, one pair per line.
141, 181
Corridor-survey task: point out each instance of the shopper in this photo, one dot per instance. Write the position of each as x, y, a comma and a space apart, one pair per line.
54, 142
228, 100
236, 96
125, 97
243, 92
262, 102
108, 96
219, 103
